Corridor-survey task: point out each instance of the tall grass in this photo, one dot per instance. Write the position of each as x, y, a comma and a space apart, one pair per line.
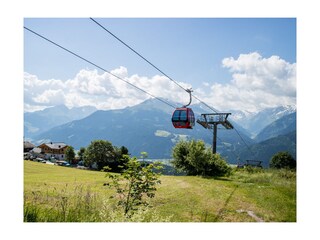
80, 204
267, 176
77, 204
58, 194
273, 192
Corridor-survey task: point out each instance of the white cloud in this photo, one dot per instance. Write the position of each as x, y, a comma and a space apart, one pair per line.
54, 97
256, 83
103, 91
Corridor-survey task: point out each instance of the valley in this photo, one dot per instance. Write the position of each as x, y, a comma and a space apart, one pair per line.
147, 127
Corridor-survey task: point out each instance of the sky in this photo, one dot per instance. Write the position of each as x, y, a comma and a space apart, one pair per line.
230, 63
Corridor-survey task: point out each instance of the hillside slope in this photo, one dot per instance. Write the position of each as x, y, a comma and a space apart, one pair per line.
147, 127
256, 122
264, 150
40, 121
267, 195
144, 127
282, 126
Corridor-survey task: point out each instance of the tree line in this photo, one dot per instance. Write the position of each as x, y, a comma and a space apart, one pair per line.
100, 153
191, 157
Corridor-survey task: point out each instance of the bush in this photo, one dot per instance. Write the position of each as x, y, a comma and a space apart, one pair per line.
195, 159
283, 160
134, 185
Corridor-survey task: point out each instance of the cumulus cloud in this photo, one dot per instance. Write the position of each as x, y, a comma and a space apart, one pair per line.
256, 83
104, 91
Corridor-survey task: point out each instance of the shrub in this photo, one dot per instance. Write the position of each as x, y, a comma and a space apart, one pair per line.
283, 160
195, 159
134, 185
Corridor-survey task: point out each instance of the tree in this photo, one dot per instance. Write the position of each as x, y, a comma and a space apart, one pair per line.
100, 152
283, 160
103, 153
144, 155
81, 153
70, 154
195, 158
134, 185
121, 158
124, 150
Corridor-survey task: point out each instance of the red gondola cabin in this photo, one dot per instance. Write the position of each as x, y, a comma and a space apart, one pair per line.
183, 118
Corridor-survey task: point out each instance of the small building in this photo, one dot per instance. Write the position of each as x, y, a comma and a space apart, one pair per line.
53, 150
36, 152
27, 146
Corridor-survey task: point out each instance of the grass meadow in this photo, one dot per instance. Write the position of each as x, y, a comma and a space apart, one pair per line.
61, 194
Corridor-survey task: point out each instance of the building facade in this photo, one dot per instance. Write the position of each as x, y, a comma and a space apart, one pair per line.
53, 150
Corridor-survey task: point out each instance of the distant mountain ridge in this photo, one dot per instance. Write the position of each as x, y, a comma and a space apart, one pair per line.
147, 127
281, 126
144, 127
40, 121
255, 122
264, 150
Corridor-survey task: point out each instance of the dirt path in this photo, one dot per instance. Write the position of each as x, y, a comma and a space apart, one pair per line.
251, 214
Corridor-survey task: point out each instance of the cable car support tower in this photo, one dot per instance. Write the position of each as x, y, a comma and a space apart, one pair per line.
211, 121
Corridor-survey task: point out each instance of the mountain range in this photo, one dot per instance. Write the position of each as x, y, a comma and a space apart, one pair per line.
38, 122
147, 127
255, 122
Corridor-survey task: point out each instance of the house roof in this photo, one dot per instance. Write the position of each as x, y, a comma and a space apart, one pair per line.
36, 150
57, 145
27, 144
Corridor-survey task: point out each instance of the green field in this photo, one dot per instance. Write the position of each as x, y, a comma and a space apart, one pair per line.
59, 194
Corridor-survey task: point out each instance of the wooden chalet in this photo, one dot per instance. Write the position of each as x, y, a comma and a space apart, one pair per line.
53, 150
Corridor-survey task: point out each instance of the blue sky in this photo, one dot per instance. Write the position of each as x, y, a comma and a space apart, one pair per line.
189, 50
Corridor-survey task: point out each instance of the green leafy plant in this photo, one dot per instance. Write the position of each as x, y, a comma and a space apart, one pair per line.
102, 153
144, 155
134, 185
194, 158
70, 154
69, 204
283, 160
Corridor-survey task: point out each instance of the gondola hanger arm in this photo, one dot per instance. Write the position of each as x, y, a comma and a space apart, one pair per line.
189, 90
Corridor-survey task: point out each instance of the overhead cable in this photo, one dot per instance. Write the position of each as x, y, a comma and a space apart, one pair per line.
94, 64
132, 85
166, 75
150, 63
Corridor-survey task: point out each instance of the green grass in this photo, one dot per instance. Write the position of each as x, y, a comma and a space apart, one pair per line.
58, 194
